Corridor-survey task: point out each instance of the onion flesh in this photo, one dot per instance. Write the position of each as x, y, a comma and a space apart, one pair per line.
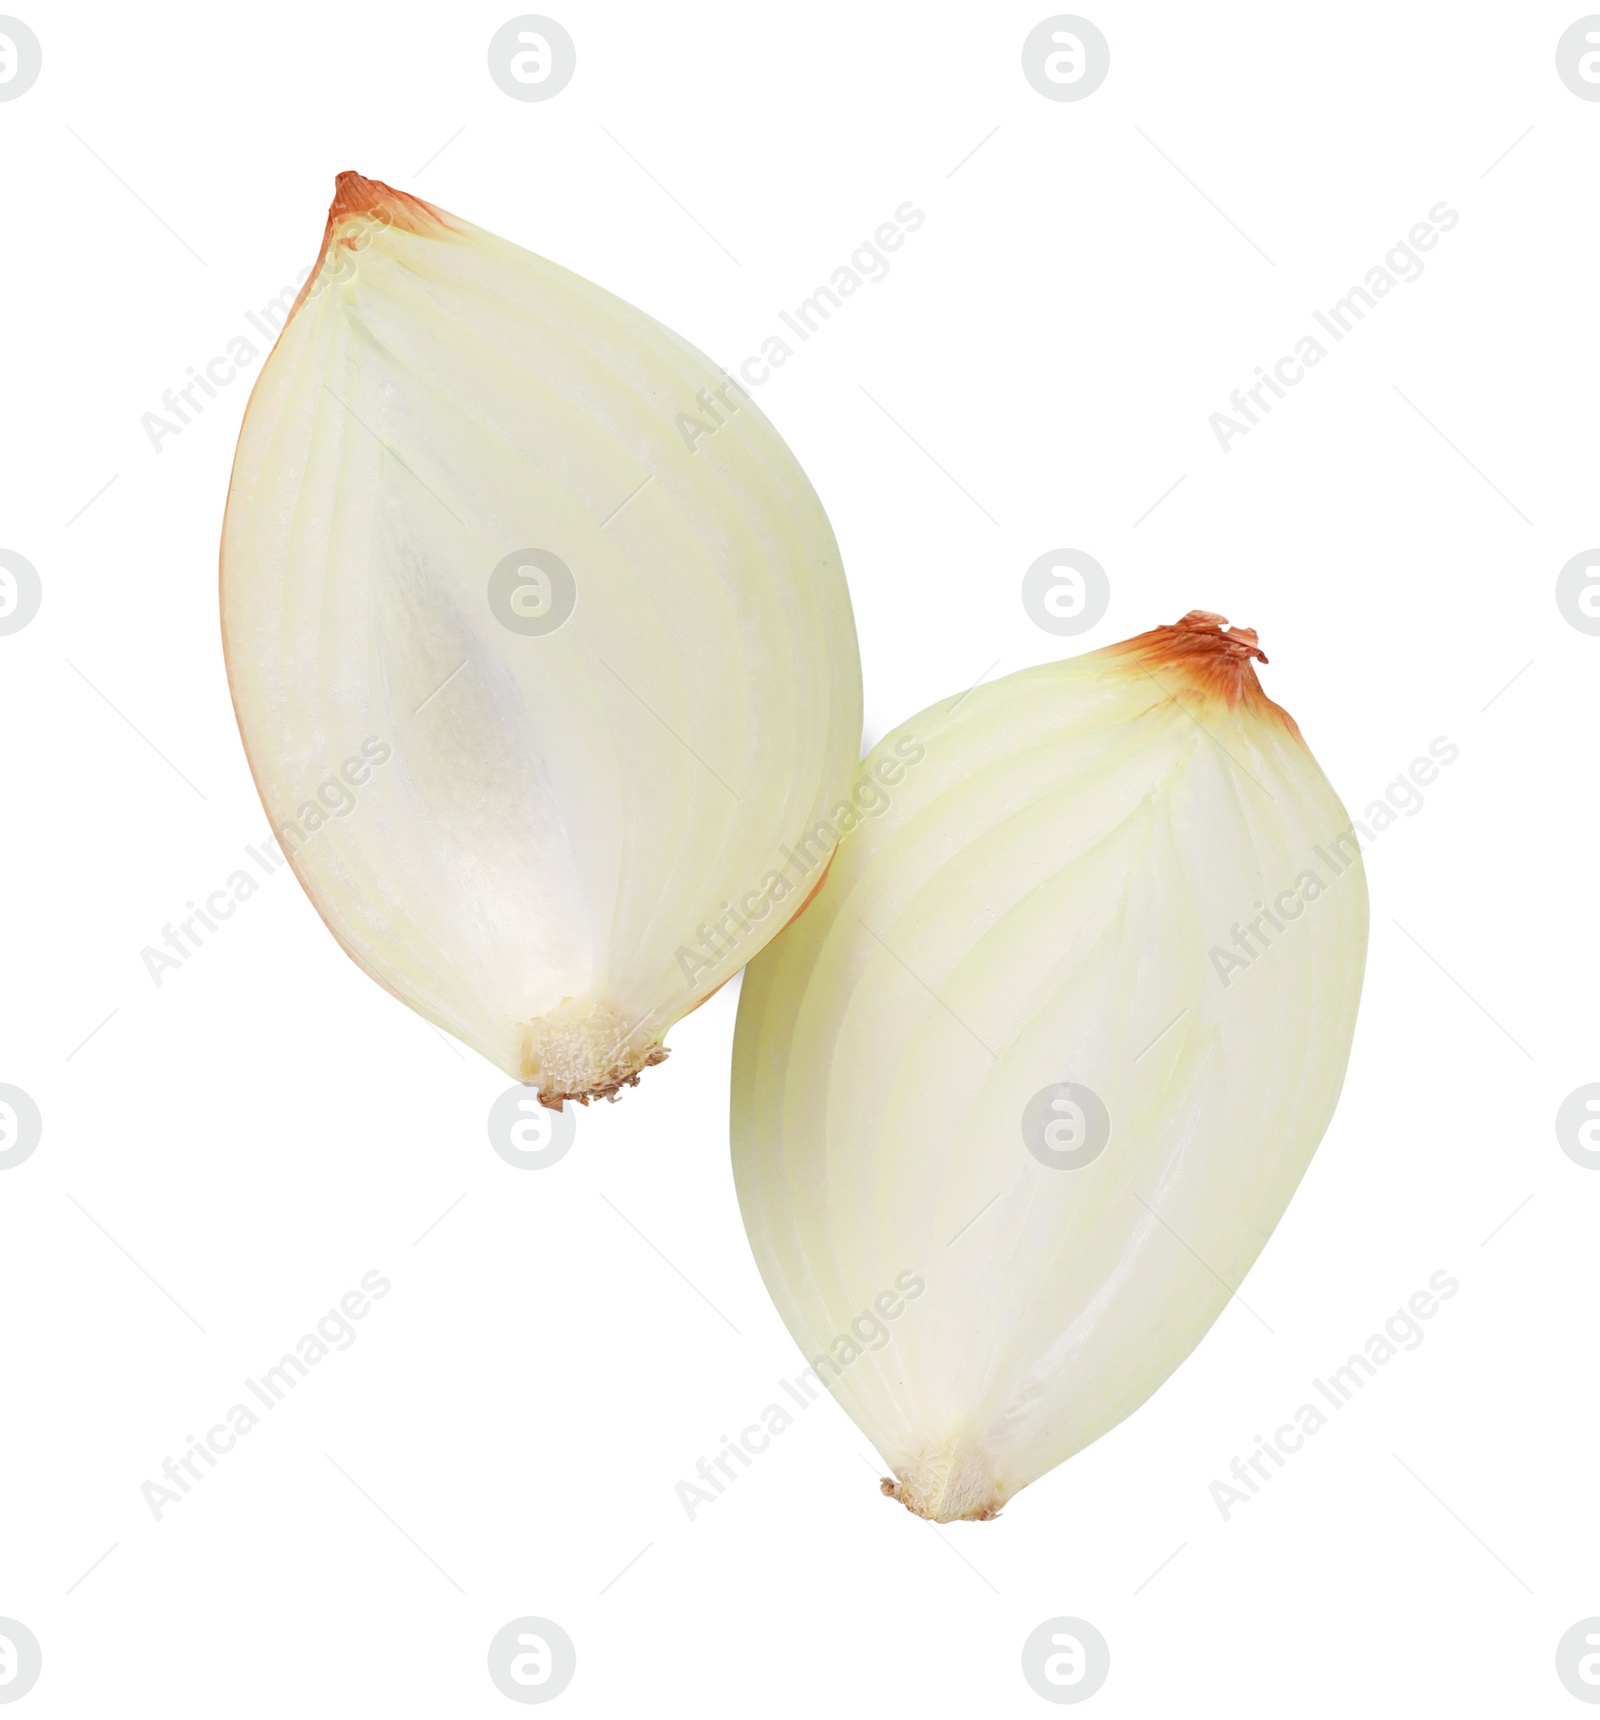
1123, 875
611, 679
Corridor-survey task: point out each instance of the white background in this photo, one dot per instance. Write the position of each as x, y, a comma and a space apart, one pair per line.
268, 1125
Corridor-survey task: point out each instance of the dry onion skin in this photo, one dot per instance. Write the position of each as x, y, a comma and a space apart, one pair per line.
1058, 1037
538, 698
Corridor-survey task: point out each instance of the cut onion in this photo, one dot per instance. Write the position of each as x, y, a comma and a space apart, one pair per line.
611, 680
1058, 1036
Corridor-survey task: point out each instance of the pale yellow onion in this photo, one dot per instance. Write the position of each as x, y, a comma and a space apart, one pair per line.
544, 867
1049, 894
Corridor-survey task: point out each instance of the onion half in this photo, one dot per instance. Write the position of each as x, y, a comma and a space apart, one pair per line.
1058, 1038
536, 697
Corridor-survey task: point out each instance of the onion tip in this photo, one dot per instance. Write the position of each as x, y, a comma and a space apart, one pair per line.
357, 200
1212, 658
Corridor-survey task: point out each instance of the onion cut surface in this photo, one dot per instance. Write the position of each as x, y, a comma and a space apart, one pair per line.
532, 688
